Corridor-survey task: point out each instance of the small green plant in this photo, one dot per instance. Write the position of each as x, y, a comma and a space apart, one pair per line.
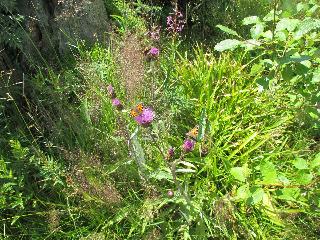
284, 46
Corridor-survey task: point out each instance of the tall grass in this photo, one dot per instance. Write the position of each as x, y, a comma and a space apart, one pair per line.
74, 167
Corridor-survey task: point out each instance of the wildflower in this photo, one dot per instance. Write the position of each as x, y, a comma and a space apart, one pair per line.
145, 118
170, 153
111, 91
154, 52
175, 22
117, 103
170, 193
188, 145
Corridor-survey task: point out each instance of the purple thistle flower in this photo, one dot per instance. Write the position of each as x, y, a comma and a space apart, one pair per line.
111, 91
154, 52
188, 145
170, 153
145, 118
117, 103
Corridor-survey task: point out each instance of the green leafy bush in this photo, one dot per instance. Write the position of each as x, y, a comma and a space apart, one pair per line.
285, 46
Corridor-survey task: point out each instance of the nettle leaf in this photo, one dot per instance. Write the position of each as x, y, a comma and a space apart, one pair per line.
250, 44
290, 194
250, 20
227, 30
256, 195
237, 173
313, 9
228, 44
316, 161
263, 82
300, 163
283, 179
267, 35
257, 30
282, 36
302, 7
269, 172
162, 174
307, 26
304, 177
316, 76
287, 24
256, 69
240, 173
243, 192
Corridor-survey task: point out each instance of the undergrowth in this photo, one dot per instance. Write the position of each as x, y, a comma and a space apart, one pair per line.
193, 149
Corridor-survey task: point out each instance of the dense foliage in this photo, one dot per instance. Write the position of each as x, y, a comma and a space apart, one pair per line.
160, 137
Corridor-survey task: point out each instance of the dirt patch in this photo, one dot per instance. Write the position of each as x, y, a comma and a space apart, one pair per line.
131, 62
81, 178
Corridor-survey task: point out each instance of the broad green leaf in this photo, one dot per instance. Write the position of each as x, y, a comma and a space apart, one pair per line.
250, 20
250, 44
228, 44
161, 174
267, 35
300, 163
316, 76
243, 192
301, 69
287, 24
316, 161
290, 194
240, 173
282, 36
257, 30
313, 9
304, 177
256, 69
256, 195
269, 172
282, 178
306, 26
228, 30
237, 173
302, 6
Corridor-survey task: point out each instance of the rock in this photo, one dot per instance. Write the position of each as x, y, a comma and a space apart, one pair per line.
53, 28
